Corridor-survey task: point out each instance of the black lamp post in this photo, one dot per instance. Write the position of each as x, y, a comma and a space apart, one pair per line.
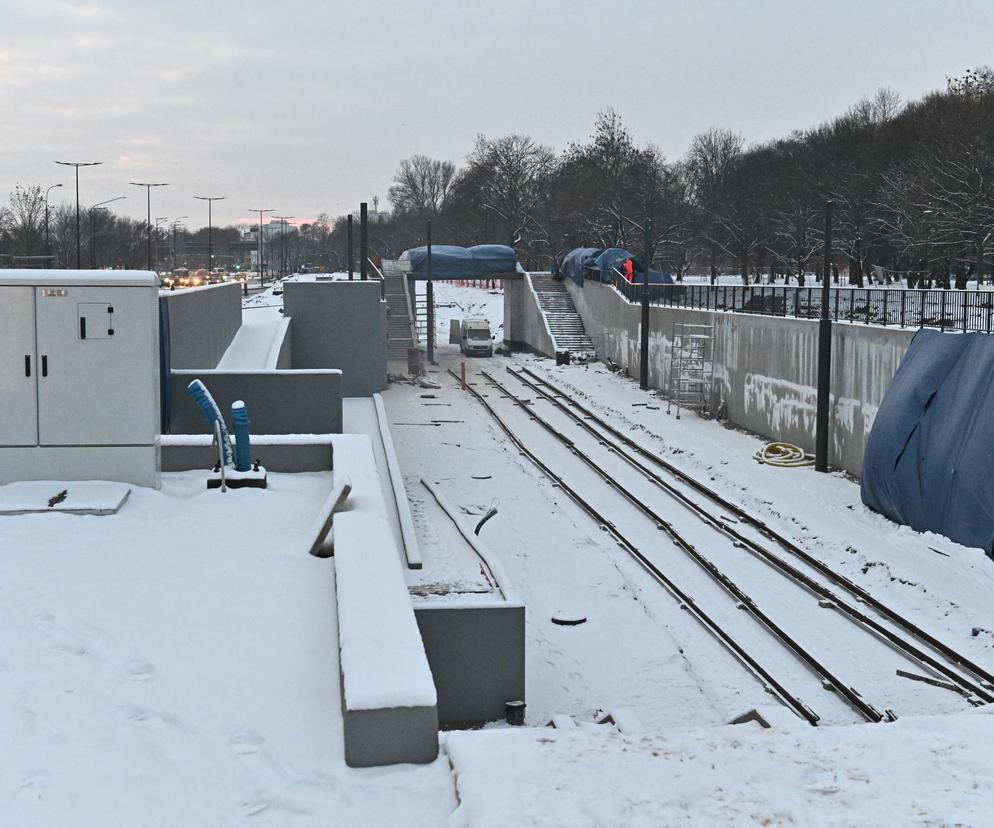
210, 221
148, 220
258, 240
93, 233
77, 165
48, 243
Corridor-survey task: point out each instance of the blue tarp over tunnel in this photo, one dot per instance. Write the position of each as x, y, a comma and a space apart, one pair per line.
929, 459
598, 263
448, 261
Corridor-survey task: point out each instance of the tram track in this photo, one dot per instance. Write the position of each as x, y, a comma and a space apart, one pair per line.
960, 673
756, 659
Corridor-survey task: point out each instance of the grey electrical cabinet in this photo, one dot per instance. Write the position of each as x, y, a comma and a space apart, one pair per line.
79, 376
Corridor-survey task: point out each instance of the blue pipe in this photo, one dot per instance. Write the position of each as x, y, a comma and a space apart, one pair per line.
203, 398
240, 425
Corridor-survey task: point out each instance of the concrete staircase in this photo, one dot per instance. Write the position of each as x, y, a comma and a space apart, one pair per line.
398, 320
564, 322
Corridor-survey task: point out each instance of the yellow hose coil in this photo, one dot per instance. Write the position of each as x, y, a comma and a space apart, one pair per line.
786, 455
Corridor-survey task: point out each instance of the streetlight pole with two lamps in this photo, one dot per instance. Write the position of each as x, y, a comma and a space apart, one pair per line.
148, 220
210, 241
77, 165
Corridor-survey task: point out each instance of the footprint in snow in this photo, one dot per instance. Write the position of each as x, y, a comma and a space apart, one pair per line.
139, 670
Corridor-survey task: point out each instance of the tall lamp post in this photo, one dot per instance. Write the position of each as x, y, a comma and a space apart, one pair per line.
258, 239
148, 220
210, 229
48, 243
160, 219
176, 224
283, 225
93, 233
77, 165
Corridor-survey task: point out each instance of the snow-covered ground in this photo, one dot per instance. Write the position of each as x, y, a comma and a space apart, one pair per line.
639, 652
176, 663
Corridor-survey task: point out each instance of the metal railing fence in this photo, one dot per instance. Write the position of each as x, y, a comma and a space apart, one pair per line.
947, 310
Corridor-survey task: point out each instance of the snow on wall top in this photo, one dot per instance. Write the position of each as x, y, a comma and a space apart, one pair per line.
80, 278
382, 656
383, 660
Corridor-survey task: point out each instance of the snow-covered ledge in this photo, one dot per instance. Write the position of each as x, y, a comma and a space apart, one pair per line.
389, 704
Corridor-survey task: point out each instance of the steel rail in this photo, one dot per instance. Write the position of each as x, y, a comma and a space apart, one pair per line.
852, 587
962, 684
744, 601
686, 601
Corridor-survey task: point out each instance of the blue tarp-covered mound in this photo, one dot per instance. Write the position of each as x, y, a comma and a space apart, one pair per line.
929, 459
574, 262
598, 263
450, 262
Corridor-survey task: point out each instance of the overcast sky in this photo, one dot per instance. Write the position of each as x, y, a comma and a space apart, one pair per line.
307, 106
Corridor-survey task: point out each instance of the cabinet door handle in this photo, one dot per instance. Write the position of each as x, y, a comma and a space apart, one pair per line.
44, 365
82, 327
27, 365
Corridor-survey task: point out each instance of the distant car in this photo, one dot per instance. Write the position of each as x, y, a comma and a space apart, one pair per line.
475, 338
217, 276
166, 280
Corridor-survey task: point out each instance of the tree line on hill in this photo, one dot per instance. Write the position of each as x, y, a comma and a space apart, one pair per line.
912, 187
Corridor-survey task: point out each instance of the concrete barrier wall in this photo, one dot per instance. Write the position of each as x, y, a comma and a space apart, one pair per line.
184, 452
765, 367
279, 402
477, 658
202, 323
524, 324
340, 325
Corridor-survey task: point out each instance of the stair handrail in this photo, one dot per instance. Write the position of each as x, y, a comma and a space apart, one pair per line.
552, 340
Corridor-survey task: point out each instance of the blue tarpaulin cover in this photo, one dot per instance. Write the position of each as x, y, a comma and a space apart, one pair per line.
596, 262
451, 262
573, 263
929, 459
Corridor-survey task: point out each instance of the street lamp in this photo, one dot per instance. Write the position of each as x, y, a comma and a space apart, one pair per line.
159, 219
148, 219
176, 224
210, 204
93, 235
48, 243
77, 165
258, 264
283, 226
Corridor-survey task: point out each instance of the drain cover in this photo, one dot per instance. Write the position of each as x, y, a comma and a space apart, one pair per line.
568, 619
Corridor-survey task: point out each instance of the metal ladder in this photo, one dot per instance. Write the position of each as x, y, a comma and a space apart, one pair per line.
691, 368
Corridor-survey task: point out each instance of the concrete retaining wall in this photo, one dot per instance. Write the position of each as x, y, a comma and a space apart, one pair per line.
765, 367
279, 402
477, 658
202, 323
524, 324
340, 325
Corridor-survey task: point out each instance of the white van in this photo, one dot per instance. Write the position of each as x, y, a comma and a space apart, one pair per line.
475, 338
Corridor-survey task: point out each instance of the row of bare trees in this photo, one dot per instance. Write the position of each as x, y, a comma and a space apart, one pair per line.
912, 186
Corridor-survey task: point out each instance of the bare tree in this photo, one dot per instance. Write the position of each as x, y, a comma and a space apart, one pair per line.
422, 185
710, 161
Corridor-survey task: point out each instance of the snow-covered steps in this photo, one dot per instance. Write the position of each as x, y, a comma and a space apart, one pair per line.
399, 337
565, 324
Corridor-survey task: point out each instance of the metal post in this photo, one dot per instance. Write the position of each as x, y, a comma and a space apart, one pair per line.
351, 254
363, 241
430, 298
824, 355
644, 332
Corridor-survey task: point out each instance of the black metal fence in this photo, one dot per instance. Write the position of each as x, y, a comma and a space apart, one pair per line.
948, 310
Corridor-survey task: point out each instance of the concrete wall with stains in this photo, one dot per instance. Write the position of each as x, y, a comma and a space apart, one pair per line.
765, 367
